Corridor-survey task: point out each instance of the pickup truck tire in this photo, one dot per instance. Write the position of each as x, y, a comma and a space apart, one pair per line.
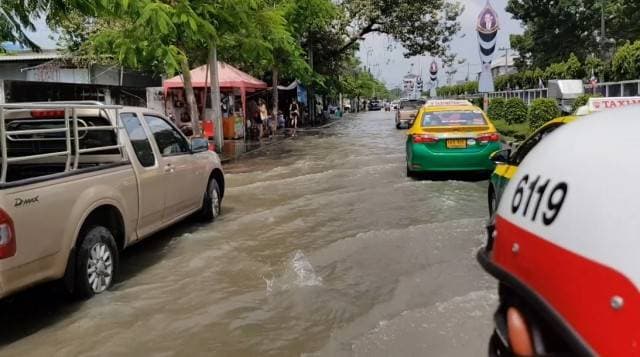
96, 262
211, 204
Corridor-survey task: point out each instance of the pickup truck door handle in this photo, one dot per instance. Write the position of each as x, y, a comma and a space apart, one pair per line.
169, 168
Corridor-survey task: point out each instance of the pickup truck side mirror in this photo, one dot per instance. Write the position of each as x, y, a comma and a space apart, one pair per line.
199, 145
501, 157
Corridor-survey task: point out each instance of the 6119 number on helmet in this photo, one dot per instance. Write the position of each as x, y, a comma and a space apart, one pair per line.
538, 187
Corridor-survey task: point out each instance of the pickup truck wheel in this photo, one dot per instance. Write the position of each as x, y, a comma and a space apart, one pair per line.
97, 262
211, 205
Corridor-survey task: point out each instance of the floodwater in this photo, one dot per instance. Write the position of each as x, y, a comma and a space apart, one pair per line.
325, 248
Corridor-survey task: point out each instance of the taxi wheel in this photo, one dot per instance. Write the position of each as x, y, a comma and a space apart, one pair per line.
398, 126
410, 173
493, 203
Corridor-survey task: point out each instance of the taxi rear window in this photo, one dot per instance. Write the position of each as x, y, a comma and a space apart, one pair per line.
411, 104
453, 118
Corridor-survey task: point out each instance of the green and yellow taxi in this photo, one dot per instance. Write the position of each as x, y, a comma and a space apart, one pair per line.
507, 160
449, 136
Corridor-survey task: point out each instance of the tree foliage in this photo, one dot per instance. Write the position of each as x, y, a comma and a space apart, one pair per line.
458, 89
556, 28
421, 26
626, 62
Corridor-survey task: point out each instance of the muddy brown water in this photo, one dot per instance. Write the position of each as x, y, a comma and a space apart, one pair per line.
325, 248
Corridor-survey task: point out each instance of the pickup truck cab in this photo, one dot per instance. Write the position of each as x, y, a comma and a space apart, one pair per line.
79, 182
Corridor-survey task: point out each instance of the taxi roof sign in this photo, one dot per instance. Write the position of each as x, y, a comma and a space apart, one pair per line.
447, 102
600, 104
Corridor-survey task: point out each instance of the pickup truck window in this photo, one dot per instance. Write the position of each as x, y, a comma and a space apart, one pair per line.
169, 140
139, 139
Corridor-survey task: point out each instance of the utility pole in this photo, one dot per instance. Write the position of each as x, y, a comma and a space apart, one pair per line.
603, 33
506, 58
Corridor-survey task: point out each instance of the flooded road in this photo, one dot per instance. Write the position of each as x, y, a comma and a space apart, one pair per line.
325, 248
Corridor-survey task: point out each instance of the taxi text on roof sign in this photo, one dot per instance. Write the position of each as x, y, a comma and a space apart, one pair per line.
447, 102
598, 104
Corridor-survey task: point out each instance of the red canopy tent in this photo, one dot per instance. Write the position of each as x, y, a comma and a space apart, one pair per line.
229, 77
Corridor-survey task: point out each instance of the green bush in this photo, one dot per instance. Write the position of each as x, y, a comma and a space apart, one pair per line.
496, 109
582, 100
541, 111
478, 102
515, 111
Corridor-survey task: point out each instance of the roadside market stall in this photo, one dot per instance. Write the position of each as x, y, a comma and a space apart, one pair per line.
235, 85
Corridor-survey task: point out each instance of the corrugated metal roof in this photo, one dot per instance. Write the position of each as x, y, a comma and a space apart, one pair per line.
30, 56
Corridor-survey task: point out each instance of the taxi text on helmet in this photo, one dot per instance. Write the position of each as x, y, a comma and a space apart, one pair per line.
447, 102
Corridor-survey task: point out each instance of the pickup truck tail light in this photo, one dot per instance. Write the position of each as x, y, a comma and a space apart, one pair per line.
490, 137
7, 236
47, 114
424, 138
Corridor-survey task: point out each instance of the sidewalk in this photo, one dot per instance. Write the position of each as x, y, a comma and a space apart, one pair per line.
235, 149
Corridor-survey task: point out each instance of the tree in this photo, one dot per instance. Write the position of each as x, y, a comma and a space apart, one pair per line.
626, 62
421, 26
571, 26
163, 35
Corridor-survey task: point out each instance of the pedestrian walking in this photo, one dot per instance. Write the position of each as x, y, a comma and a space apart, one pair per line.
264, 114
254, 111
294, 114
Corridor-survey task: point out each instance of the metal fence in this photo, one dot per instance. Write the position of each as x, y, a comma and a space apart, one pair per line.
608, 89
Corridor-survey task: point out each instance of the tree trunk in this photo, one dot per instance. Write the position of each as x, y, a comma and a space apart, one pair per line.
311, 92
215, 97
275, 98
192, 106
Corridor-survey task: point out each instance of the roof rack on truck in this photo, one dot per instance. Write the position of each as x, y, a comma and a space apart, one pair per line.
61, 123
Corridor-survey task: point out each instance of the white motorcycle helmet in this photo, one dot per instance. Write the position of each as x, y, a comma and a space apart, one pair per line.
566, 243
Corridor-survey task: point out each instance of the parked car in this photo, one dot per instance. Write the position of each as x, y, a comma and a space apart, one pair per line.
375, 105
407, 111
451, 136
394, 105
83, 181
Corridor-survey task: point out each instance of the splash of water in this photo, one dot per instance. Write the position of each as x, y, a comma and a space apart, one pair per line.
306, 275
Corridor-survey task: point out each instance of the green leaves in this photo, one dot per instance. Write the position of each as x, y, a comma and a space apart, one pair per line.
626, 62
542, 110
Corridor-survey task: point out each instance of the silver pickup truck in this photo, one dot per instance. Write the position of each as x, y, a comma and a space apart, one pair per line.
79, 182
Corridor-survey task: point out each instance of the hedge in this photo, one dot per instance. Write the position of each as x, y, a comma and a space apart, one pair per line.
582, 100
541, 111
515, 111
478, 102
496, 109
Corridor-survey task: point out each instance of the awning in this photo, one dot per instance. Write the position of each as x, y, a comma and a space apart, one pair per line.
230, 77
291, 86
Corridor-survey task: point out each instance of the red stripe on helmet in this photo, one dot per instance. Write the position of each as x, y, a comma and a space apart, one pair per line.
582, 291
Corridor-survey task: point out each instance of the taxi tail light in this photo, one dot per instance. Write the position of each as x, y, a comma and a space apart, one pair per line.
7, 236
491, 137
423, 139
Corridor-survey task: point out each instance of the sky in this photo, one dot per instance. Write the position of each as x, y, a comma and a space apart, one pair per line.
389, 64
